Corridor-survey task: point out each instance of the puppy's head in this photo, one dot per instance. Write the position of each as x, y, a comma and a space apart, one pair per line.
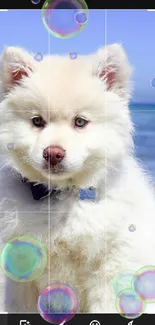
66, 119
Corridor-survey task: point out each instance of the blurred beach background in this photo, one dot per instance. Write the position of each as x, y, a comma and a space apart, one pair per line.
132, 28
143, 117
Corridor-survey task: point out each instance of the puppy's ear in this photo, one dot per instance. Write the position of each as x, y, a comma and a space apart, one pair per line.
15, 65
113, 68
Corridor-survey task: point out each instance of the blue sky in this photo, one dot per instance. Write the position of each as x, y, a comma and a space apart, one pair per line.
133, 28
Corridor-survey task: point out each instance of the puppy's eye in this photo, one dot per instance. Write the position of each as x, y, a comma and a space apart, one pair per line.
80, 122
38, 121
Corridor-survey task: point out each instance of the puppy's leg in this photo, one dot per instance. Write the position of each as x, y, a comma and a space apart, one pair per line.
20, 297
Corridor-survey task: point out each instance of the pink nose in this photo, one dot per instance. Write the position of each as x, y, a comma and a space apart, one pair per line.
54, 155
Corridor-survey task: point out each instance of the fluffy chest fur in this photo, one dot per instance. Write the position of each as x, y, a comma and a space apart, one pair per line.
86, 241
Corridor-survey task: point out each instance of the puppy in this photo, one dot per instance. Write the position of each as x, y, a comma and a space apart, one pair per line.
65, 126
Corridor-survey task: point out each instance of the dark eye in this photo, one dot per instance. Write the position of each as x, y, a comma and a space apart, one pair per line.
80, 122
38, 121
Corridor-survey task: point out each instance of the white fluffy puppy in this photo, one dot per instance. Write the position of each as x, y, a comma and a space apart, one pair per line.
69, 125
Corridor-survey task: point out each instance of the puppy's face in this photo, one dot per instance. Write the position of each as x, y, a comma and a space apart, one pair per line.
66, 118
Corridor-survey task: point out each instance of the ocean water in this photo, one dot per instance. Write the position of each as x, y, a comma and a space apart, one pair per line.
143, 117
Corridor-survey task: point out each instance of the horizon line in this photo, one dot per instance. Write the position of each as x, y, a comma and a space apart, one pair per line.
141, 103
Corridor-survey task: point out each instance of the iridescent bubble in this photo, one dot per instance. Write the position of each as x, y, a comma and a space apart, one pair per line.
58, 303
132, 228
64, 18
144, 283
35, 2
122, 281
73, 56
23, 259
153, 82
38, 56
81, 17
10, 146
129, 305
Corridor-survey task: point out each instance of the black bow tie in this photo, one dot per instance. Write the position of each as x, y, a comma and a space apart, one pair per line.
38, 191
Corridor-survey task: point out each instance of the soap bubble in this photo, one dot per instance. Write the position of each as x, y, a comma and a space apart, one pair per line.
64, 18
38, 56
73, 56
129, 305
132, 228
144, 283
122, 281
23, 259
10, 146
81, 17
35, 2
58, 303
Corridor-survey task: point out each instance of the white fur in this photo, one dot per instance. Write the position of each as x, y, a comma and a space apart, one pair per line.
88, 242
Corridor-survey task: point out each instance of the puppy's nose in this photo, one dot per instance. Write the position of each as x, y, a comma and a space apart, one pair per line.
54, 155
